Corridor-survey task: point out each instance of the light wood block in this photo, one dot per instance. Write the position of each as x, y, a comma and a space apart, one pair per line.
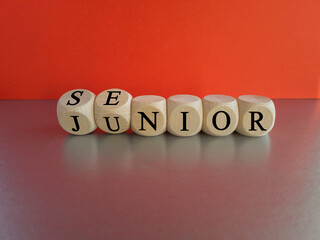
220, 115
75, 112
148, 115
184, 115
256, 115
112, 110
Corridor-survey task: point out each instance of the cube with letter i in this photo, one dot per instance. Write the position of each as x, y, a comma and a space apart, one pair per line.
184, 115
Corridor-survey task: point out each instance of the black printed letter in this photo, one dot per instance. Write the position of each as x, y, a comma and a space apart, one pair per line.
256, 121
108, 124
111, 97
214, 120
73, 95
184, 119
76, 123
144, 116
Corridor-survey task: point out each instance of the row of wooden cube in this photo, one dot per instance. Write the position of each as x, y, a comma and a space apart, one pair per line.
114, 111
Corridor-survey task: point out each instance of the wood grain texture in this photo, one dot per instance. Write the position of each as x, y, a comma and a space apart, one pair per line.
184, 115
256, 115
75, 112
220, 115
112, 109
148, 115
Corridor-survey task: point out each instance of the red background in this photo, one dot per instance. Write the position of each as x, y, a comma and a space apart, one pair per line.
164, 47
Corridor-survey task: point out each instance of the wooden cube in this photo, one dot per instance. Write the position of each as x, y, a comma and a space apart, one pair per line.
220, 115
75, 112
148, 115
184, 115
256, 115
112, 110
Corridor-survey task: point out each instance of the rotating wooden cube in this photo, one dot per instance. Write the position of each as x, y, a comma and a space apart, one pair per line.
112, 110
75, 112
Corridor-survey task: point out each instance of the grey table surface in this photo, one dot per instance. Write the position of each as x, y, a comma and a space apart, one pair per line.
99, 186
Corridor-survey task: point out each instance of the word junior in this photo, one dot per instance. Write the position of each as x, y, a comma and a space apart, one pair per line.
114, 111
